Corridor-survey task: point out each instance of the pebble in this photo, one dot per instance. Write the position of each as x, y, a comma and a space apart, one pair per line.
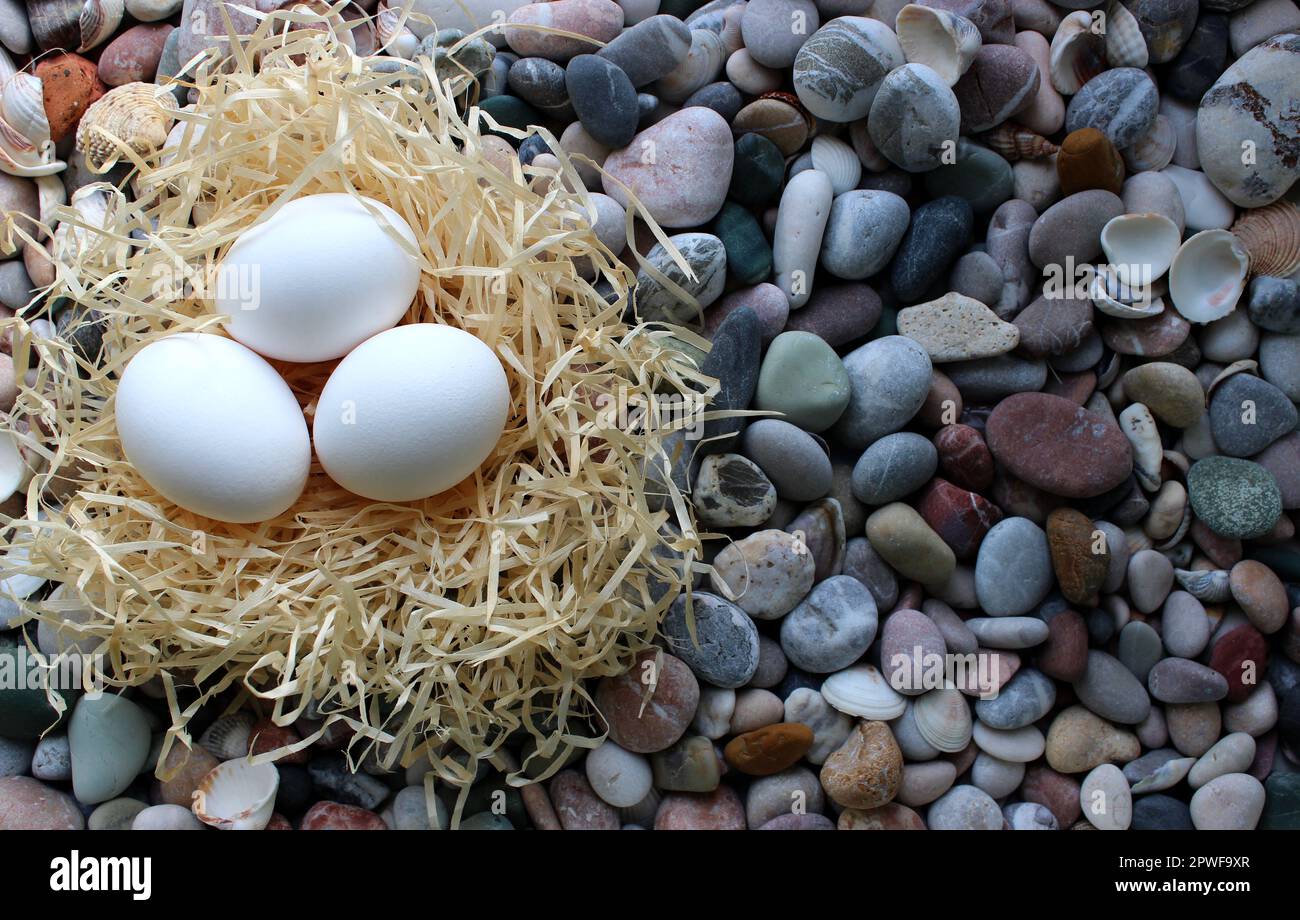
115, 815
838, 313
1025, 699
910, 644
133, 55
1235, 498
1002, 81
109, 740
1071, 228
767, 573
803, 379
1178, 680
831, 628
965, 808
1121, 103
619, 777
723, 648
1274, 304
1106, 799
577, 805
1150, 576
755, 708
30, 805
1078, 741
1161, 812
839, 69
1008, 632
1204, 206
600, 20
1247, 414
800, 225
915, 117
649, 49
1013, 571
713, 716
863, 232
51, 760
889, 379
1231, 754
770, 749
1139, 649
893, 467
901, 538
829, 726
940, 230
794, 462
707, 258
1088, 160
731, 491
1064, 655
788, 793
603, 99
1185, 628
667, 714
1260, 594
70, 83
1232, 802
957, 328
686, 181
1193, 727
999, 778
719, 810
166, 818
867, 771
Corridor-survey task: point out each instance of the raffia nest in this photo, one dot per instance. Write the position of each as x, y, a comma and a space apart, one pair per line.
460, 620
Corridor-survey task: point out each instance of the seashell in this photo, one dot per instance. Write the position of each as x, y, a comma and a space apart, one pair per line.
1155, 150
1208, 276
1076, 55
19, 586
1210, 587
1125, 46
51, 193
98, 21
137, 115
237, 795
939, 39
1140, 428
25, 145
94, 204
14, 474
229, 737
392, 34
1015, 142
1114, 298
1140, 247
837, 159
863, 691
1181, 554
702, 65
56, 23
943, 719
1271, 235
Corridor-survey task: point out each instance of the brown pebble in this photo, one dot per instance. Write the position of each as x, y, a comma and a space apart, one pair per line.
184, 768
1260, 594
769, 749
578, 806
1080, 555
891, 817
867, 769
648, 725
943, 403
776, 120
1088, 160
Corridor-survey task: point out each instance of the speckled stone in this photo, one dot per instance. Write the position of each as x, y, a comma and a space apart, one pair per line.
727, 651
1121, 103
719, 810
1247, 414
1235, 498
867, 771
965, 808
832, 627
914, 118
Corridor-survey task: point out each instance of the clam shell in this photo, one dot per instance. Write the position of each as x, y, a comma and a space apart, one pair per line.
837, 159
137, 115
1076, 55
1114, 298
939, 39
1125, 46
943, 719
1015, 142
1155, 151
1140, 428
238, 795
1140, 247
1210, 587
229, 737
98, 21
1208, 276
1271, 235
702, 65
25, 145
863, 691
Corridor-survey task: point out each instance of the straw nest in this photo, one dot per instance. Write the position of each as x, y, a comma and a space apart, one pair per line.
455, 622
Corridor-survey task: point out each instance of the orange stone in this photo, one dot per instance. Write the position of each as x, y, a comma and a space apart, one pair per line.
769, 749
70, 83
1074, 543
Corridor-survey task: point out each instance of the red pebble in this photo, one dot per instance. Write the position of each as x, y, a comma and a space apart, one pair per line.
964, 457
1241, 656
960, 518
335, 816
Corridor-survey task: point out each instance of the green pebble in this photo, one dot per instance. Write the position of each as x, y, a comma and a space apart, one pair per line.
109, 738
492, 796
24, 711
979, 175
749, 256
1281, 803
510, 112
757, 172
1235, 498
803, 378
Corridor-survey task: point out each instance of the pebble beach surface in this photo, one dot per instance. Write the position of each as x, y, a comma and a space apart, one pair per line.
1013, 547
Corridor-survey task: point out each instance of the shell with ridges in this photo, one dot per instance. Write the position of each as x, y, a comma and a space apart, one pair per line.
939, 39
1016, 142
1271, 235
1125, 46
394, 37
863, 691
93, 206
229, 737
1208, 276
1155, 150
1140, 247
98, 21
837, 159
703, 63
943, 719
1076, 53
1208, 586
237, 795
56, 23
137, 115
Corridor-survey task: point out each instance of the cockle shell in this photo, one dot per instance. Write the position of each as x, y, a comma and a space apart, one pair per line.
137, 115
1208, 276
1271, 236
943, 719
229, 737
1114, 298
939, 39
1015, 142
237, 795
25, 145
1140, 247
77, 25
1209, 586
1155, 150
1125, 46
863, 691
837, 159
1076, 53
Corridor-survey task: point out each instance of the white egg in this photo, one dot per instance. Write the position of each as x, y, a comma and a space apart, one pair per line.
411, 412
318, 278
213, 428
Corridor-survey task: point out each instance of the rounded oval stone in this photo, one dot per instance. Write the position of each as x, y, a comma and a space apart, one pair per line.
603, 98
599, 20
1247, 414
770, 38
863, 232
1260, 594
832, 627
1001, 81
1121, 103
769, 749
965, 808
1111, 691
1178, 680
1071, 229
1079, 740
724, 647
803, 379
666, 715
1057, 446
896, 465
1170, 391
903, 539
910, 644
838, 70
914, 118
794, 462
1232, 802
1235, 498
889, 379
939, 232
1185, 627
1013, 571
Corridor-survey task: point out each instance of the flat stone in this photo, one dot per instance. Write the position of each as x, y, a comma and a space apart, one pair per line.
1139, 649
786, 793
1238, 655
770, 749
1025, 699
1008, 632
1002, 81
719, 810
649, 49
1071, 229
1111, 691
838, 313
863, 232
27, 804
910, 643
957, 328
1013, 571
1234, 498
1106, 798
1177, 680
1056, 326
889, 379
1064, 655
598, 20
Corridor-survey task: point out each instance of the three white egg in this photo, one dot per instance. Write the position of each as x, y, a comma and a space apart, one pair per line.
408, 413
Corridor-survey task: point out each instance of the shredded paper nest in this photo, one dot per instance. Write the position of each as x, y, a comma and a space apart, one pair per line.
455, 622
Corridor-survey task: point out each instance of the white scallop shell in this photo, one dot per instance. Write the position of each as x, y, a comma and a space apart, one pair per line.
99, 20
837, 159
1140, 247
1139, 426
939, 39
25, 145
237, 795
943, 719
1125, 46
863, 691
1076, 53
1211, 587
1208, 276
1155, 150
1114, 298
702, 65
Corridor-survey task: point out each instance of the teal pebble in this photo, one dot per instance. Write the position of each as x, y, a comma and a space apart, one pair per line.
109, 739
757, 171
24, 711
1281, 803
805, 379
510, 112
979, 175
486, 821
749, 256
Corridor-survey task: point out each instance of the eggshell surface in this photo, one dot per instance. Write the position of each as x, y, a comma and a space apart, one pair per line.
411, 412
318, 278
213, 427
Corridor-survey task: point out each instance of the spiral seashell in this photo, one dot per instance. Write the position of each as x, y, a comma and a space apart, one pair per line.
943, 719
1076, 54
1271, 236
98, 21
702, 65
863, 691
1155, 150
1208, 276
237, 795
1208, 587
1125, 46
135, 115
1015, 142
838, 161
25, 145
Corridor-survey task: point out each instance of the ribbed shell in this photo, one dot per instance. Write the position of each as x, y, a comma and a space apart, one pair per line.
1125, 46
837, 159
863, 691
25, 145
1210, 587
1016, 142
56, 23
98, 21
1271, 235
237, 795
138, 115
943, 719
